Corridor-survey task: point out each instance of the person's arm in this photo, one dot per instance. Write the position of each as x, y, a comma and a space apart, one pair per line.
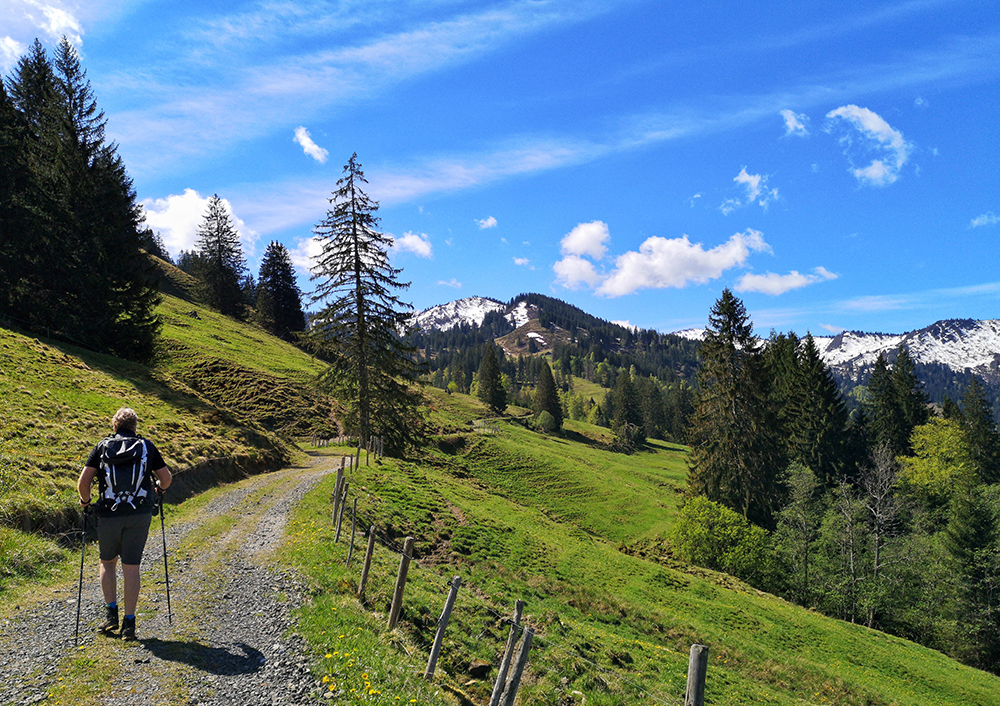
87, 476
163, 478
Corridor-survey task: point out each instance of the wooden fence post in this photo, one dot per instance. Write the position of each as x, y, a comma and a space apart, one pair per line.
697, 669
508, 652
354, 521
514, 679
442, 625
337, 488
397, 594
340, 517
367, 564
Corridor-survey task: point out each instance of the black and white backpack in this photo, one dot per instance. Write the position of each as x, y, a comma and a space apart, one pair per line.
125, 483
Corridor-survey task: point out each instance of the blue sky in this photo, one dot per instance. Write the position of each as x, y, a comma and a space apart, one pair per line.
835, 164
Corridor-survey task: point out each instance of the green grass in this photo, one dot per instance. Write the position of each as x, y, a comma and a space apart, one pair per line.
545, 519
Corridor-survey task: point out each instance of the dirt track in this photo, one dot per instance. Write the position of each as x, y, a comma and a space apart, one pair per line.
230, 640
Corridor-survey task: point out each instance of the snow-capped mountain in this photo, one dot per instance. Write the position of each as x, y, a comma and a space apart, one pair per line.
960, 344
471, 311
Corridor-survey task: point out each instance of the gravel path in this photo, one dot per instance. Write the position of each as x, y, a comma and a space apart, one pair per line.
230, 641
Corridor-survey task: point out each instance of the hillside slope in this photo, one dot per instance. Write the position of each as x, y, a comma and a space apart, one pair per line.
553, 521
221, 400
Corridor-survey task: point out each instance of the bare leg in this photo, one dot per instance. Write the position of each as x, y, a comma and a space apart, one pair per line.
109, 580
131, 591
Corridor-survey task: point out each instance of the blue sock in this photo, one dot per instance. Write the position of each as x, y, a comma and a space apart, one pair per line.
113, 604
130, 617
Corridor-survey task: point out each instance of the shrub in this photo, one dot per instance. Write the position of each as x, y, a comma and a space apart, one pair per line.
713, 536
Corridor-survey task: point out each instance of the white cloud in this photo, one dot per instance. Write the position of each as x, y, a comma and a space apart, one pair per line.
795, 123
775, 284
756, 192
987, 219
586, 239
417, 243
677, 262
305, 252
59, 23
832, 329
521, 261
10, 51
490, 222
177, 218
626, 324
573, 271
453, 283
879, 137
309, 147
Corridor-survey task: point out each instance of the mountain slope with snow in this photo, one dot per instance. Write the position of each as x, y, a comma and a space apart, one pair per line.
960, 344
470, 311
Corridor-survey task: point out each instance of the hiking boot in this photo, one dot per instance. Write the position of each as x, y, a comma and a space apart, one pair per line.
128, 628
110, 624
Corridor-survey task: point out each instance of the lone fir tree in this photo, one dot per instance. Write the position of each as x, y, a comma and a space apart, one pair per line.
490, 390
359, 328
547, 396
221, 265
737, 456
278, 298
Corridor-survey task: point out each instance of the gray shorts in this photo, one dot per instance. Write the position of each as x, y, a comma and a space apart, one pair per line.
123, 537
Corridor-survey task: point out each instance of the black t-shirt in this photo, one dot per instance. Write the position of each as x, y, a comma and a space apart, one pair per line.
154, 462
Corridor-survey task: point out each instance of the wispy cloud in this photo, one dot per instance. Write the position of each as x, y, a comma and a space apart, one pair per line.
223, 118
522, 262
775, 284
987, 219
243, 92
453, 283
485, 223
303, 138
756, 189
10, 51
876, 136
417, 243
795, 123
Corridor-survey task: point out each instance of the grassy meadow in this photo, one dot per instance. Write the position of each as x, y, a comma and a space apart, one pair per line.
550, 520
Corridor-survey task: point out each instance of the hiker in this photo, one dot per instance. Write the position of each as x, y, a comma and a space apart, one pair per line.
129, 470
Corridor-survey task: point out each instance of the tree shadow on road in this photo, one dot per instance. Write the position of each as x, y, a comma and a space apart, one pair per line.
233, 660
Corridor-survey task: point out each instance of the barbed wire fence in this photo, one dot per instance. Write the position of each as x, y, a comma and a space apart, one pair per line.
521, 636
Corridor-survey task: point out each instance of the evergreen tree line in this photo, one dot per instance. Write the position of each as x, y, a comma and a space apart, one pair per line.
888, 517
71, 234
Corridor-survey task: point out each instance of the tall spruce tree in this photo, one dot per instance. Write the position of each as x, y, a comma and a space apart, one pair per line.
737, 457
819, 426
547, 396
490, 390
626, 424
981, 433
279, 300
77, 245
360, 325
222, 265
886, 422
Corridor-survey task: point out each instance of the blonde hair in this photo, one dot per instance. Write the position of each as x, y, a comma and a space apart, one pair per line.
125, 419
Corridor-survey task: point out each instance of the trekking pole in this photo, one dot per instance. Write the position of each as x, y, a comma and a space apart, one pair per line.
79, 592
166, 572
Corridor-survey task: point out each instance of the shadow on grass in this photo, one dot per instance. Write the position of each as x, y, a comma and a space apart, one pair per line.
230, 661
